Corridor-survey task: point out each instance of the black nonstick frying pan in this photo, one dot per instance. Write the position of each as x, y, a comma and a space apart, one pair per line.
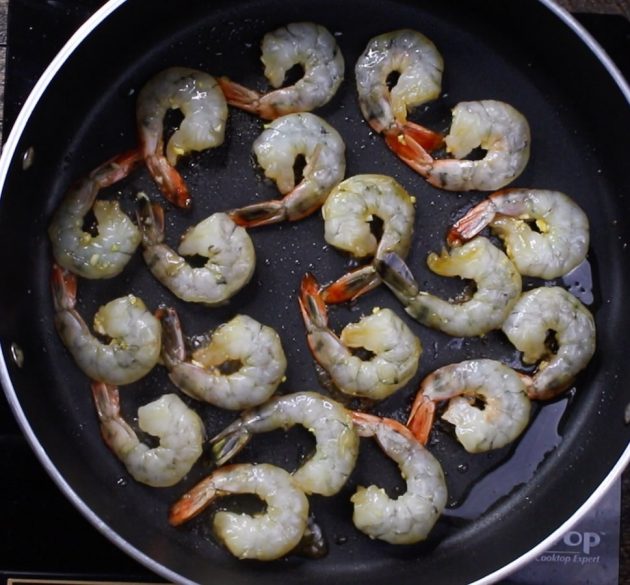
503, 506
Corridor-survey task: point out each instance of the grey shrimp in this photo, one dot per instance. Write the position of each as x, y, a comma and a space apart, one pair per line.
539, 312
276, 149
503, 392
337, 443
557, 246
300, 43
134, 348
498, 288
252, 351
228, 248
105, 254
411, 516
203, 105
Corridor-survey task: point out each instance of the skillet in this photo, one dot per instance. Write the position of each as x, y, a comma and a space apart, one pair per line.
502, 505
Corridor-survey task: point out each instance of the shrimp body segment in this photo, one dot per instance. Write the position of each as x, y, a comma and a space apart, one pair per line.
135, 334
265, 536
396, 350
503, 392
105, 254
337, 443
228, 248
558, 245
251, 352
200, 99
348, 213
410, 517
179, 429
277, 149
301, 43
419, 66
496, 127
538, 312
498, 288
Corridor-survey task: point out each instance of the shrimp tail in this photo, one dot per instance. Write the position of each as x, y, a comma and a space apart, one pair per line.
229, 442
243, 98
170, 182
351, 285
409, 150
421, 418
150, 217
472, 223
312, 305
258, 214
423, 137
106, 399
397, 276
117, 168
173, 344
194, 501
64, 288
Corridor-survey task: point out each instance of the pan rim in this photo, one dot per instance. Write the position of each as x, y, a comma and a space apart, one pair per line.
7, 156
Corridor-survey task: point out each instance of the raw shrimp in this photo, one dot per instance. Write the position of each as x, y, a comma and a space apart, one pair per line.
265, 536
419, 66
337, 443
306, 44
239, 365
135, 334
200, 99
498, 288
539, 312
496, 127
410, 517
396, 350
502, 391
559, 245
179, 429
277, 149
348, 214
105, 254
228, 248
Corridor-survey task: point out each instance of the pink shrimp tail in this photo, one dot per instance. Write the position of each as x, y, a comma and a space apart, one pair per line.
468, 226
259, 214
242, 97
351, 285
117, 168
312, 305
421, 418
412, 144
170, 182
64, 288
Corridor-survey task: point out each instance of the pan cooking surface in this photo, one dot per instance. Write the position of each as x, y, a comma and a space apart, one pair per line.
505, 501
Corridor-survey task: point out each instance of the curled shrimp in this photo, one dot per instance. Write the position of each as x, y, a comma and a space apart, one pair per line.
410, 517
200, 99
419, 66
348, 214
135, 334
559, 244
501, 390
337, 443
300, 43
497, 280
240, 364
539, 312
395, 349
105, 254
179, 429
281, 143
496, 127
228, 248
265, 536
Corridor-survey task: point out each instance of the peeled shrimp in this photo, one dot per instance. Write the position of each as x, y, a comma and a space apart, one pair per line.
396, 350
200, 99
105, 254
301, 43
265, 536
505, 411
337, 443
419, 66
539, 312
179, 429
496, 127
135, 334
239, 366
277, 149
559, 245
348, 212
410, 517
498, 288
228, 248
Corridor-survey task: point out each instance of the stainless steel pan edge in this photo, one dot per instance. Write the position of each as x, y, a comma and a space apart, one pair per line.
9, 152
